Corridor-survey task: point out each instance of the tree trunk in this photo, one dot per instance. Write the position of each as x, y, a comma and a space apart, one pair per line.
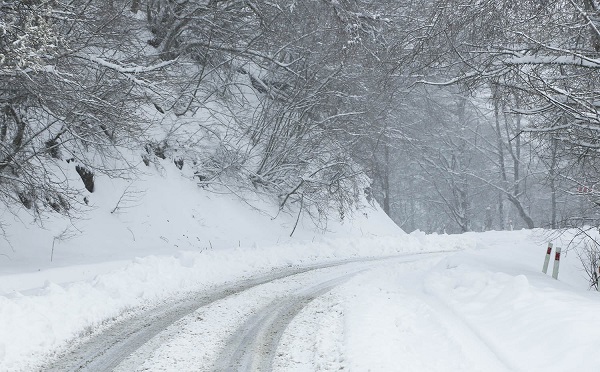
553, 174
386, 180
590, 7
502, 169
135, 6
522, 212
501, 216
512, 195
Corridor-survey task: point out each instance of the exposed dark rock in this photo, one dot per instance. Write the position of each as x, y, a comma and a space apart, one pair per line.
87, 177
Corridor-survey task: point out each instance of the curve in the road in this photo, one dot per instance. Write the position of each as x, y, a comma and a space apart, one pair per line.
106, 350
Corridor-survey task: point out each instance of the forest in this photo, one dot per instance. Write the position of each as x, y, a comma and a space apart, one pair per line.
453, 115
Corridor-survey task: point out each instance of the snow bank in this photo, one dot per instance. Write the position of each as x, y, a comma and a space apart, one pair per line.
531, 325
391, 325
531, 321
485, 309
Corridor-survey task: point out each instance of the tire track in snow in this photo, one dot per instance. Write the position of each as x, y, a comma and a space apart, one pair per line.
106, 350
253, 346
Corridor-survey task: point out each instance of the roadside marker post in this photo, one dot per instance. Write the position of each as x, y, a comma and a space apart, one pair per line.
556, 263
547, 259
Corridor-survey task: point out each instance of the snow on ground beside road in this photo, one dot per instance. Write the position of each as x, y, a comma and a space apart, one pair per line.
529, 319
488, 309
392, 326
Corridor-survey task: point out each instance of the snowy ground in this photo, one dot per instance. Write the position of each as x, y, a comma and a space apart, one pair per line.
480, 304
486, 306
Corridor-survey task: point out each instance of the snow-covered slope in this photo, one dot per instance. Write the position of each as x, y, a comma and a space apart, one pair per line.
161, 211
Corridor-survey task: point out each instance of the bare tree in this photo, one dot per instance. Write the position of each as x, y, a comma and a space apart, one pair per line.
65, 98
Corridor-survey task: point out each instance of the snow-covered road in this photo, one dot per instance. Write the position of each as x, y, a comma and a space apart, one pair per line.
234, 327
326, 318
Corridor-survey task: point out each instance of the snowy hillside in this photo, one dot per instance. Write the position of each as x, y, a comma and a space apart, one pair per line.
162, 211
